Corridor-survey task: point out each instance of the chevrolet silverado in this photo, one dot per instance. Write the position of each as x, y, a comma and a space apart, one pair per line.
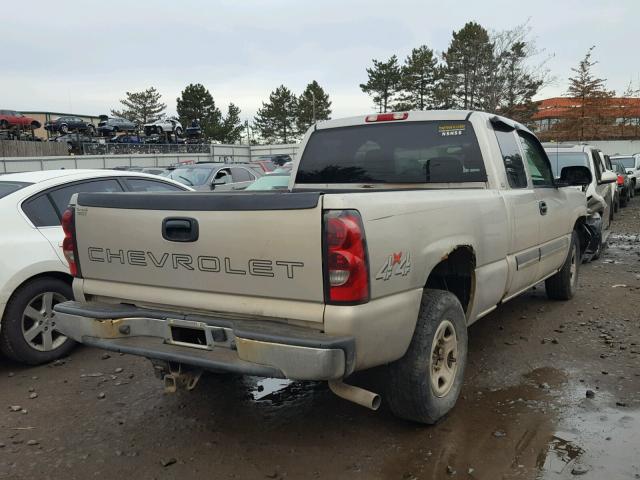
397, 231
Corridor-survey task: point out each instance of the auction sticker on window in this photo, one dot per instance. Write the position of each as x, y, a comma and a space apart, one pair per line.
451, 129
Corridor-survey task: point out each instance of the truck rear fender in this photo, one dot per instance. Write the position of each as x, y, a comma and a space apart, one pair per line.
454, 271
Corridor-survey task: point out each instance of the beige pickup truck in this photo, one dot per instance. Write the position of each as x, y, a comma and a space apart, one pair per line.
396, 233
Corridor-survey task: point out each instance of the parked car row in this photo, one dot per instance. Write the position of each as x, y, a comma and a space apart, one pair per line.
611, 186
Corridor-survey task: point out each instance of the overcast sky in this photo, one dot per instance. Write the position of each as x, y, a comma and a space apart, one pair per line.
80, 57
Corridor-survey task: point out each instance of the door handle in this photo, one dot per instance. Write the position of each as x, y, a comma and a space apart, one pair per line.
543, 207
180, 229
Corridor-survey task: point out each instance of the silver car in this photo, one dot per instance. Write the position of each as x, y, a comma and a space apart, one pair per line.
214, 176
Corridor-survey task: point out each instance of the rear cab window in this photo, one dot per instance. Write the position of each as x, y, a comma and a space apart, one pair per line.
402, 153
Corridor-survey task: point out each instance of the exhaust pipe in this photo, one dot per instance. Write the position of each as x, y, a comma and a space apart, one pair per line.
355, 394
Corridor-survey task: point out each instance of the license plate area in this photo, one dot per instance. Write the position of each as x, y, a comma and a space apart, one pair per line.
194, 337
197, 335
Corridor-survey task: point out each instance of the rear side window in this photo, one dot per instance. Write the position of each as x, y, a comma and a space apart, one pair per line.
512, 159
141, 185
408, 152
41, 212
598, 163
537, 160
62, 196
9, 187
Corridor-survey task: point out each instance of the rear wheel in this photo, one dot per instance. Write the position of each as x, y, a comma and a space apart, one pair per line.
179, 132
64, 128
28, 331
563, 285
4, 124
424, 385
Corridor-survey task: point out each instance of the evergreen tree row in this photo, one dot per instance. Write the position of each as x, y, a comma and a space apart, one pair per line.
478, 71
285, 117
195, 103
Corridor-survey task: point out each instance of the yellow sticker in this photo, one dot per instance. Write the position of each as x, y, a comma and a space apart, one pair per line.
451, 129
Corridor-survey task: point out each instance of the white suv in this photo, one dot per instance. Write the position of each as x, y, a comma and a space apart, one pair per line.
600, 192
34, 275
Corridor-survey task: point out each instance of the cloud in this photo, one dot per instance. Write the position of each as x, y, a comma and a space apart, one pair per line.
83, 57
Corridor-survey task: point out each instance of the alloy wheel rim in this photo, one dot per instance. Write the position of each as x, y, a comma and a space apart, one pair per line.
39, 323
443, 364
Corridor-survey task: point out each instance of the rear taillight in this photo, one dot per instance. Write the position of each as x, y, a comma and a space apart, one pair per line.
346, 267
386, 117
620, 180
69, 243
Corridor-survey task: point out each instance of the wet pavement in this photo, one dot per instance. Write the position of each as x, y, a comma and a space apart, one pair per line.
552, 392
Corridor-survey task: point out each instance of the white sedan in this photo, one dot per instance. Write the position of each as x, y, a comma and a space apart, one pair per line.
34, 275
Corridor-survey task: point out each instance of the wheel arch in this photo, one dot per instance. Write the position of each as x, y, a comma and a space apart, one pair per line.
65, 277
455, 272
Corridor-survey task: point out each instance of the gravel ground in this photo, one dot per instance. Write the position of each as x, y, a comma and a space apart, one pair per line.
552, 392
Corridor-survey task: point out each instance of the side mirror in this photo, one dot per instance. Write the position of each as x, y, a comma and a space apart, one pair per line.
217, 182
608, 177
575, 177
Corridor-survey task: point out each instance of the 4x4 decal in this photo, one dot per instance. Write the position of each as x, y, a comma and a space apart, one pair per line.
397, 264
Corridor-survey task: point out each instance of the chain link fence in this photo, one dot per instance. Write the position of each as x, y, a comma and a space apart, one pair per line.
144, 148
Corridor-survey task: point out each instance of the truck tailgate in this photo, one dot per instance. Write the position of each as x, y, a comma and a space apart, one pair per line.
247, 244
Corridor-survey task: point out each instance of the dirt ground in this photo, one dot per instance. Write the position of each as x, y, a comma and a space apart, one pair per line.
524, 412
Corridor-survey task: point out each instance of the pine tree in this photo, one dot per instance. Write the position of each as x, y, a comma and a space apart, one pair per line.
469, 61
196, 103
419, 76
231, 128
313, 105
592, 94
276, 120
384, 78
141, 107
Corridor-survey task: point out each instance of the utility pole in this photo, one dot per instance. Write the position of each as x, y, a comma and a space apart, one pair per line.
246, 126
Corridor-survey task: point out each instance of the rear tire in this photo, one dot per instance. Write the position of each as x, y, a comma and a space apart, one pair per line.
64, 128
563, 285
29, 310
425, 383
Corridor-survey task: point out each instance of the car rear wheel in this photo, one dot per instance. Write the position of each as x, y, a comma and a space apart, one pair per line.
28, 331
4, 124
425, 383
64, 128
179, 131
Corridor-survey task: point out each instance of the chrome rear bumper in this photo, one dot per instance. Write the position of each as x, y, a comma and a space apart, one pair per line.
252, 347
